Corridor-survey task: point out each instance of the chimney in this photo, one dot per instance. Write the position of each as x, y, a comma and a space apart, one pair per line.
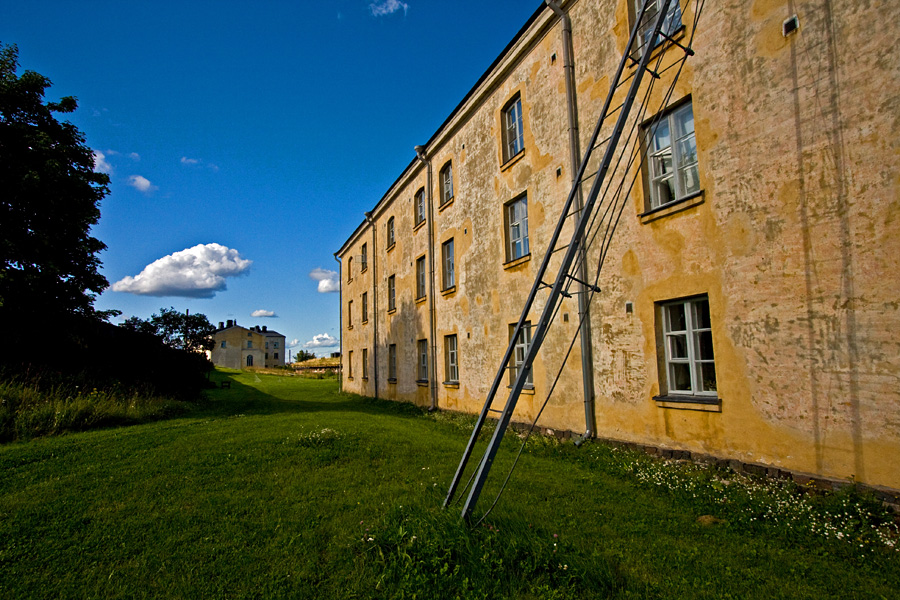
230, 322
257, 329
265, 327
221, 325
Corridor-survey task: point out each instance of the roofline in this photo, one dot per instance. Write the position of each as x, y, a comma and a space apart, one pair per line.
458, 109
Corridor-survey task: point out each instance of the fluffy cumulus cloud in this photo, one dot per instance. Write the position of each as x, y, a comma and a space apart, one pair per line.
142, 184
328, 280
293, 343
323, 340
197, 272
101, 164
263, 313
388, 7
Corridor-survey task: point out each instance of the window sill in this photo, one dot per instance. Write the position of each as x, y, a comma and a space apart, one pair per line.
392, 311
350, 280
363, 270
349, 327
365, 322
448, 291
349, 377
446, 204
511, 161
421, 299
365, 378
418, 225
528, 389
391, 247
451, 384
685, 402
422, 382
517, 261
676, 206
392, 380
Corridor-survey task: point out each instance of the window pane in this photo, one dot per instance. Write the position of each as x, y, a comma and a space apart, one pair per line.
701, 314
683, 120
680, 377
675, 320
661, 137
678, 346
708, 377
704, 345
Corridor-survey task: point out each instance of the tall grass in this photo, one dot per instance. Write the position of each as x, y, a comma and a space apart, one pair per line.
29, 409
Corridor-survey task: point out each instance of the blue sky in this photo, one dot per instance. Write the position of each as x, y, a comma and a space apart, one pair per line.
246, 139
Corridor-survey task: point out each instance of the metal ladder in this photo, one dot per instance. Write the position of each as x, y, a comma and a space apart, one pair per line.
641, 42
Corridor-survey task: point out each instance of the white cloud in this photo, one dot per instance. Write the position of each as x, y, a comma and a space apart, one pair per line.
134, 156
328, 280
263, 313
142, 184
194, 162
388, 7
197, 272
101, 164
189, 161
323, 340
293, 343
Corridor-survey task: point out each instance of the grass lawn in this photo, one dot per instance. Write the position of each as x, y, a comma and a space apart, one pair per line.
280, 487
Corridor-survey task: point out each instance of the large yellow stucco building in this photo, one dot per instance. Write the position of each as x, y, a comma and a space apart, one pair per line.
238, 347
749, 301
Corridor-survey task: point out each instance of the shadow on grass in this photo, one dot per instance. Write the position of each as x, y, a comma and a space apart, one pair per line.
319, 395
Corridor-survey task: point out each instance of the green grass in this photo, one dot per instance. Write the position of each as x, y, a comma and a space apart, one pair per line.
280, 487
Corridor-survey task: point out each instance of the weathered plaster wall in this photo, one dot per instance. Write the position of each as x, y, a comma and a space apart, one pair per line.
794, 240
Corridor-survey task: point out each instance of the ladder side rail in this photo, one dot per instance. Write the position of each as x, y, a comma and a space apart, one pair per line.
574, 246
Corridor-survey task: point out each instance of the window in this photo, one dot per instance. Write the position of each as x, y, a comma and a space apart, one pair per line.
446, 180
420, 206
513, 136
350, 365
365, 363
267, 356
249, 344
420, 278
364, 259
365, 307
451, 366
350, 269
249, 360
671, 24
267, 345
392, 362
392, 294
423, 360
518, 356
276, 344
390, 233
672, 157
447, 260
224, 344
516, 218
276, 356
690, 366
350, 314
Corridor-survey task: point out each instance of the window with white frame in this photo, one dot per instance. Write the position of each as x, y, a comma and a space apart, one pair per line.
672, 171
420, 206
364, 259
517, 360
392, 362
392, 293
690, 362
516, 220
422, 372
513, 134
420, 278
365, 307
449, 275
390, 233
451, 365
365, 363
671, 22
446, 180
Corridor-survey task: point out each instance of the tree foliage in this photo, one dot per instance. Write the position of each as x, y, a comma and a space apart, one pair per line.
183, 331
302, 355
49, 199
